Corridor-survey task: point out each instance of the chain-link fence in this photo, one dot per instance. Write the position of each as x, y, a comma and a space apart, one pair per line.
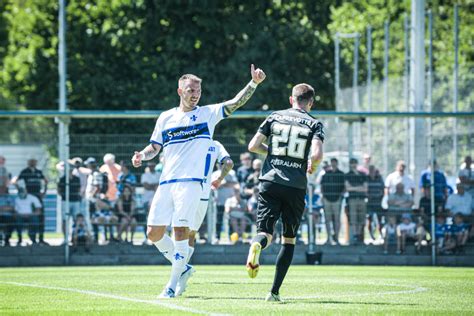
338, 216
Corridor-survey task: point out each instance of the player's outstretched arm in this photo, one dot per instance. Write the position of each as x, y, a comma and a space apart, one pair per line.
316, 155
148, 153
257, 146
227, 166
244, 95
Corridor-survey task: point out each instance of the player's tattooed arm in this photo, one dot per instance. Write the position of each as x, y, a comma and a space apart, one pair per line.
316, 155
227, 166
257, 144
148, 153
243, 96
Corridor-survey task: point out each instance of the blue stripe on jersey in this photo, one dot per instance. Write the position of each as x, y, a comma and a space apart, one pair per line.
208, 165
155, 142
223, 112
204, 199
181, 180
224, 158
186, 140
185, 132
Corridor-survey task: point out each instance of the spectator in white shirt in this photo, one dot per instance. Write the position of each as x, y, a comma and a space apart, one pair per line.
408, 230
460, 202
399, 176
27, 209
466, 176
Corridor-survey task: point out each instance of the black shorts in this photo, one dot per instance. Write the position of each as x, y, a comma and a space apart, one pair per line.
277, 201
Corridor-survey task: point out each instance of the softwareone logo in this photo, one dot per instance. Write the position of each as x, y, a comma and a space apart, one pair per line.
182, 134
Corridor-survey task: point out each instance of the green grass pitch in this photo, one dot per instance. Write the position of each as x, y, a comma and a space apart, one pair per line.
227, 290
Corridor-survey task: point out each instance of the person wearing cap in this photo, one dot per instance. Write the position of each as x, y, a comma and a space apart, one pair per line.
408, 230
74, 197
35, 184
113, 170
357, 187
95, 185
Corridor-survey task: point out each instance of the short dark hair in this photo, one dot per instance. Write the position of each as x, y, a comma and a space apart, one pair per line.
303, 93
334, 159
353, 160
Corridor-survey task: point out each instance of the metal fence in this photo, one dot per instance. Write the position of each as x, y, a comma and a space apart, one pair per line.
346, 138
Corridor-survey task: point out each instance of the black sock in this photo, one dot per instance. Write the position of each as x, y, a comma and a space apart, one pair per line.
261, 239
282, 264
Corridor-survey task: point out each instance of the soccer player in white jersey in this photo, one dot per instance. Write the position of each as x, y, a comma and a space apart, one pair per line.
184, 133
217, 152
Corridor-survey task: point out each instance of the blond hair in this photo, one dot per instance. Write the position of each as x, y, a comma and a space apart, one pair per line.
190, 77
303, 93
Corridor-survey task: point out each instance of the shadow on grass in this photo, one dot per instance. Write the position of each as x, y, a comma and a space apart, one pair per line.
295, 301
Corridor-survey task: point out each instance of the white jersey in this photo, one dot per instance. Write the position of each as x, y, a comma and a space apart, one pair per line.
216, 152
186, 138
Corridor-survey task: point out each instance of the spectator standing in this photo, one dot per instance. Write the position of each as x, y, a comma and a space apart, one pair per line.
356, 186
113, 170
375, 193
398, 176
28, 210
225, 191
4, 177
35, 180
332, 189
96, 186
460, 202
82, 173
7, 219
74, 198
364, 168
466, 176
440, 183
400, 201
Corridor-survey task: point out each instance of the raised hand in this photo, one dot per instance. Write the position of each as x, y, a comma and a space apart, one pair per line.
257, 74
137, 159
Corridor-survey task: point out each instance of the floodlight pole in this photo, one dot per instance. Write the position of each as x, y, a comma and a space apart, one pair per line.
431, 138
385, 94
406, 73
63, 122
455, 88
369, 86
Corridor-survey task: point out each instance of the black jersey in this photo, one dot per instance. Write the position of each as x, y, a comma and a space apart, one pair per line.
289, 134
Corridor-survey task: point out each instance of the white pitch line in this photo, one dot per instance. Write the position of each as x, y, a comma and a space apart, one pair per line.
414, 289
117, 297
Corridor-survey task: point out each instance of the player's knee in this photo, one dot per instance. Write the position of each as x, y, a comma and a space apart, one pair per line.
192, 238
181, 233
154, 233
289, 240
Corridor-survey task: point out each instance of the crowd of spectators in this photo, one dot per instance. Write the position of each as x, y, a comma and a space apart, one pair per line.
386, 210
104, 206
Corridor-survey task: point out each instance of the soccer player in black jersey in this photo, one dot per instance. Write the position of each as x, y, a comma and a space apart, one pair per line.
295, 147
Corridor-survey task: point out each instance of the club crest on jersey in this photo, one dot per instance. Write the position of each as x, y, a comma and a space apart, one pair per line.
193, 118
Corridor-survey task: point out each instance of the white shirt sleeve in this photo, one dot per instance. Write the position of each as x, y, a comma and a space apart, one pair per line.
157, 137
388, 180
217, 113
221, 152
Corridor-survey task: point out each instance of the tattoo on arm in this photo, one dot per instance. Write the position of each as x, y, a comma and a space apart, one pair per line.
150, 151
226, 168
239, 100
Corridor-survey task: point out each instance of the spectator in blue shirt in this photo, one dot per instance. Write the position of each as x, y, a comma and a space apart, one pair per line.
126, 178
440, 183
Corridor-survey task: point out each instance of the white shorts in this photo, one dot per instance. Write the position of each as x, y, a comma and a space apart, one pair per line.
175, 204
200, 214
